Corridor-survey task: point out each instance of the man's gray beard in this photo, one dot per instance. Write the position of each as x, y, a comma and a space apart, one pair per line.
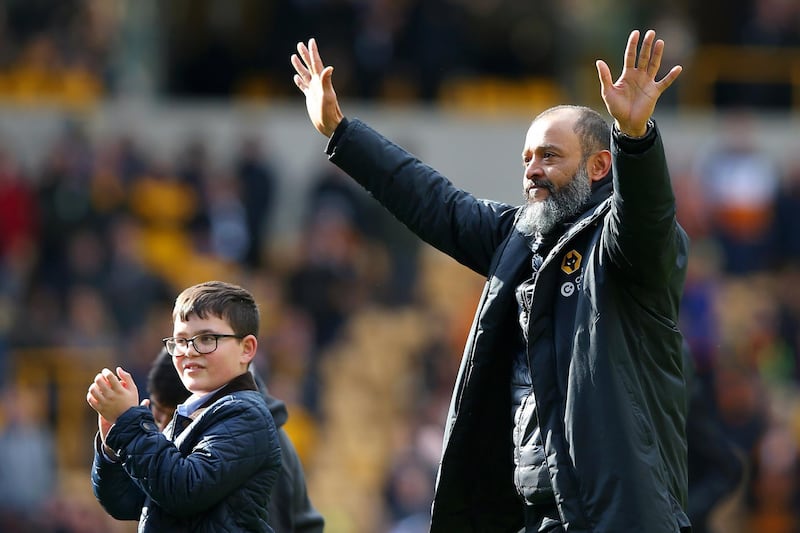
562, 204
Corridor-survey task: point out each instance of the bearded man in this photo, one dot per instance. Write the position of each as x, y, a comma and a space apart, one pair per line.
569, 409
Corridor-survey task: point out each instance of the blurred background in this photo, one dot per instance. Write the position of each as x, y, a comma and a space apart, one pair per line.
149, 145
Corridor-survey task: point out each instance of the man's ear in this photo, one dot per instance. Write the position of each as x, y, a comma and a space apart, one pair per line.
598, 165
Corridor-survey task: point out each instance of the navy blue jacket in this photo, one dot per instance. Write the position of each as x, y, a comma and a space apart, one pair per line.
608, 379
217, 476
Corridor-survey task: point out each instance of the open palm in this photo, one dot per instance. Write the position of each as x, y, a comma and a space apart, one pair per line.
315, 80
632, 99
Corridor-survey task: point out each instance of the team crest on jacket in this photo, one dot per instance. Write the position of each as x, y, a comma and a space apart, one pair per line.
571, 262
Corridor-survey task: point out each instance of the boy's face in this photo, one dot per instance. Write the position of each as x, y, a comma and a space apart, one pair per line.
203, 373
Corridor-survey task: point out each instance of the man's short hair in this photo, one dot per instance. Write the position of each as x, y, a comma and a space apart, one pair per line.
593, 131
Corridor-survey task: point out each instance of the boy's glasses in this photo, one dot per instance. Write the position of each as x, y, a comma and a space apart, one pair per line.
203, 343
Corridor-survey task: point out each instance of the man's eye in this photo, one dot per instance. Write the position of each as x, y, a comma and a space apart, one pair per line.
180, 342
205, 339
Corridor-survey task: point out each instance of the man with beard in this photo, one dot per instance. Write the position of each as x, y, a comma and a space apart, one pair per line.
569, 410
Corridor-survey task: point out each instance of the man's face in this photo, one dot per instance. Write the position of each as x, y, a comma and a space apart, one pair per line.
555, 182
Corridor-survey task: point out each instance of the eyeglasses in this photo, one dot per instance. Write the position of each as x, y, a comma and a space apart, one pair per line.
203, 343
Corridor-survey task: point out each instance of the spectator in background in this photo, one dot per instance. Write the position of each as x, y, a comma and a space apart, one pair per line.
89, 322
329, 283
19, 216
130, 287
409, 493
165, 206
228, 233
290, 510
257, 189
787, 216
774, 493
740, 185
64, 199
28, 472
326, 282
716, 466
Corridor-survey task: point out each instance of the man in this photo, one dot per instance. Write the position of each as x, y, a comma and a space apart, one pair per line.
568, 413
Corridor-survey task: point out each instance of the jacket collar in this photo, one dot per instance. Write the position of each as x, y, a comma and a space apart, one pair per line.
239, 383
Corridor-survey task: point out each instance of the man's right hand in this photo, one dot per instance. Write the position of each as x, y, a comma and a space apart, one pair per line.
314, 79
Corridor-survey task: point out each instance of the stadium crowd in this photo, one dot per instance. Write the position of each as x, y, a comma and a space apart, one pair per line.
105, 232
363, 327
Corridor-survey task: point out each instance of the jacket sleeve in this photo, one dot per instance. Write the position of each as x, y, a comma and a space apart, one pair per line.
113, 488
642, 235
289, 508
305, 518
239, 441
448, 218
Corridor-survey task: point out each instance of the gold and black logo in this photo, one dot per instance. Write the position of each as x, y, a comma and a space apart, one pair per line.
571, 262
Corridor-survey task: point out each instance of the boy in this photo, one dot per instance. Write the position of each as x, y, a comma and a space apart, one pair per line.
290, 509
215, 469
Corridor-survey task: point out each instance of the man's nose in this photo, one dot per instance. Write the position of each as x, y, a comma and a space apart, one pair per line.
533, 169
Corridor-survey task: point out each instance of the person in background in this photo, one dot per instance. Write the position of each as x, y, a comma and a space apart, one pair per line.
716, 465
28, 463
290, 510
569, 410
216, 467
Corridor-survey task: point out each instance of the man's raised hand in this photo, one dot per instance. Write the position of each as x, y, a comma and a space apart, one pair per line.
315, 80
632, 99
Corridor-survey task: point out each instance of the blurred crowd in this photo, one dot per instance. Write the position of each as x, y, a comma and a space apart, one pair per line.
96, 245
76, 51
362, 326
741, 310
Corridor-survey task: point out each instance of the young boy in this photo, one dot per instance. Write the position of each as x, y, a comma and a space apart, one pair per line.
290, 509
215, 469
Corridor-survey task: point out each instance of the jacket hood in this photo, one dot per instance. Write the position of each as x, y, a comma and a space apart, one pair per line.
601, 189
277, 408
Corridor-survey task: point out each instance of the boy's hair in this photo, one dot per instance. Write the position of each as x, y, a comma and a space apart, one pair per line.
224, 300
164, 383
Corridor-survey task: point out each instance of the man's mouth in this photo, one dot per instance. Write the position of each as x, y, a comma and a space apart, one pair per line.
543, 184
530, 191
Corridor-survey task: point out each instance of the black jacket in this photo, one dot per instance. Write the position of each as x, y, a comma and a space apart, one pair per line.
290, 509
612, 400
